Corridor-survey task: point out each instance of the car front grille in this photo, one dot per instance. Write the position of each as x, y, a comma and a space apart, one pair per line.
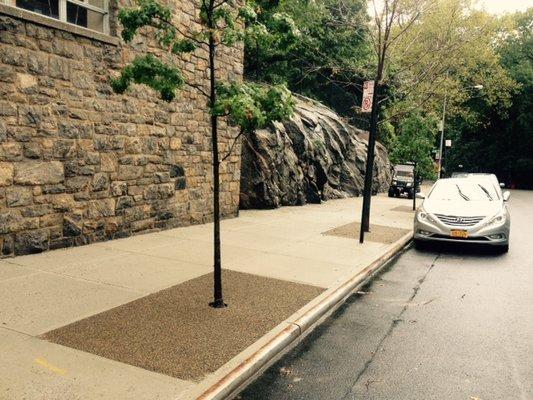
477, 238
454, 220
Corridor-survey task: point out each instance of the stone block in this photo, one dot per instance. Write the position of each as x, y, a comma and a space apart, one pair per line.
31, 242
119, 188
32, 150
38, 173
108, 162
6, 174
125, 202
10, 221
18, 196
7, 109
100, 182
72, 225
130, 172
101, 208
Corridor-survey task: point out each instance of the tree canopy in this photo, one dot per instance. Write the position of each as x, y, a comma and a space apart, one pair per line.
437, 51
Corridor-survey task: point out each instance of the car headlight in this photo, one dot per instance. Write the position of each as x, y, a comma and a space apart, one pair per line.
498, 219
423, 215
409, 184
394, 182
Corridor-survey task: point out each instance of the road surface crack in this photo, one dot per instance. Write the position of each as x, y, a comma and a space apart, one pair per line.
393, 324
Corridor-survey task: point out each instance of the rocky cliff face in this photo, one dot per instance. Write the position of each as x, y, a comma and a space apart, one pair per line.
313, 157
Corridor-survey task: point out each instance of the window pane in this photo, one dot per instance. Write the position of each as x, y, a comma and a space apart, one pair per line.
87, 18
50, 8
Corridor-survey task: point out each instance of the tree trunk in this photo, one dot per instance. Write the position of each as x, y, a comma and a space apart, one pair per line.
218, 300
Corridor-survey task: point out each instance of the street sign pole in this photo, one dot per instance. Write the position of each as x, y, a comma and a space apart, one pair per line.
441, 147
372, 106
415, 186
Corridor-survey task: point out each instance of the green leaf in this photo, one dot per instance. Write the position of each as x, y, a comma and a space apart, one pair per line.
150, 71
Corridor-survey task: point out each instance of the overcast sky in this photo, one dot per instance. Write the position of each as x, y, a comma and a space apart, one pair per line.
492, 6
501, 6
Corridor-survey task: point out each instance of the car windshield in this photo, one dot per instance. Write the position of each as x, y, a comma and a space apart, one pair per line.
462, 190
404, 174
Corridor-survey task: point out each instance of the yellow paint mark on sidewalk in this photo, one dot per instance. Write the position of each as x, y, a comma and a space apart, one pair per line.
53, 368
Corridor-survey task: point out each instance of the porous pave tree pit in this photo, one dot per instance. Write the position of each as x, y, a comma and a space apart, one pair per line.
173, 332
378, 233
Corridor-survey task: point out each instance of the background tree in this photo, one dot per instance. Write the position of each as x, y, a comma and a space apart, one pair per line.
326, 62
249, 106
501, 135
414, 140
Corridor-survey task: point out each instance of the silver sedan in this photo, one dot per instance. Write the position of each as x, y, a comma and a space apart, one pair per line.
463, 210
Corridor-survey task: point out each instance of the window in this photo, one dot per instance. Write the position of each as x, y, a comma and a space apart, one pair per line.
90, 14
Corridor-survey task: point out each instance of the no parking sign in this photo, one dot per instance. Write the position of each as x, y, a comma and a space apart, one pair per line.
368, 96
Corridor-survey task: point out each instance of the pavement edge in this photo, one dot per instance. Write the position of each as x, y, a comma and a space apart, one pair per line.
235, 380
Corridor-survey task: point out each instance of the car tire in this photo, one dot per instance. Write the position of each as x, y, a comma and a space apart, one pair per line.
391, 193
410, 194
503, 249
420, 245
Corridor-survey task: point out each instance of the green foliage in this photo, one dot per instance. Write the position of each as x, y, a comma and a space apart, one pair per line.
249, 106
414, 142
501, 133
252, 106
150, 71
315, 50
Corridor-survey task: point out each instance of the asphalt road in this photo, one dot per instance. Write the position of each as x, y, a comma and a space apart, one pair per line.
447, 323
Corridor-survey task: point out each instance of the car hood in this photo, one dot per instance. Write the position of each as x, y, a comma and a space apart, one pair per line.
462, 209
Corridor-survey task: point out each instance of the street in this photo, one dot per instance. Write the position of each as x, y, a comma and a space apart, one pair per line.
447, 323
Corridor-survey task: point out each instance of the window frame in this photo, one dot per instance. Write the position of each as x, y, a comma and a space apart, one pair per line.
62, 5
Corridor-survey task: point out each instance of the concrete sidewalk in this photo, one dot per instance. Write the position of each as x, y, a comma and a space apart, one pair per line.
47, 291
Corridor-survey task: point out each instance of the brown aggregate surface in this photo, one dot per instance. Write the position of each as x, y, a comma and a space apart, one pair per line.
403, 208
176, 333
378, 233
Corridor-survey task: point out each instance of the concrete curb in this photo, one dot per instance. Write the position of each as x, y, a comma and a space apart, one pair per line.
335, 296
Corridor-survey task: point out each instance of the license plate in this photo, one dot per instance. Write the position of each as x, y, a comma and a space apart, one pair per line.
459, 234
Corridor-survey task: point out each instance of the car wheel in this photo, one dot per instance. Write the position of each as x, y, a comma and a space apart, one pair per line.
503, 249
420, 245
391, 193
410, 194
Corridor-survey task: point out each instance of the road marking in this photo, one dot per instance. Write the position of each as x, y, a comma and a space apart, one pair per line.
51, 367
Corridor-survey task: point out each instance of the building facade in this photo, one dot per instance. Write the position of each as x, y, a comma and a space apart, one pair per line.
80, 164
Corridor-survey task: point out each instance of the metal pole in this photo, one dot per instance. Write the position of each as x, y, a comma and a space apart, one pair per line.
442, 135
367, 191
414, 188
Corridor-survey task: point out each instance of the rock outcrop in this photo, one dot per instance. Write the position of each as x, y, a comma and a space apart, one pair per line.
312, 157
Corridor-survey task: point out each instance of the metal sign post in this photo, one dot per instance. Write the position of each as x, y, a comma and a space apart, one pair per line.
415, 186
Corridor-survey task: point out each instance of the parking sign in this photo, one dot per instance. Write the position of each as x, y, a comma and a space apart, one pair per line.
368, 96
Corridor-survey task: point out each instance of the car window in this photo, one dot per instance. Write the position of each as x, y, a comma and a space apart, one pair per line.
462, 191
406, 174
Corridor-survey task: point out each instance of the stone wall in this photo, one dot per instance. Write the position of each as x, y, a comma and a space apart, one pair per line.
80, 164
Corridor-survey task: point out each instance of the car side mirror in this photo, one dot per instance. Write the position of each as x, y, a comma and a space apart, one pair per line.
506, 196
423, 196
502, 185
